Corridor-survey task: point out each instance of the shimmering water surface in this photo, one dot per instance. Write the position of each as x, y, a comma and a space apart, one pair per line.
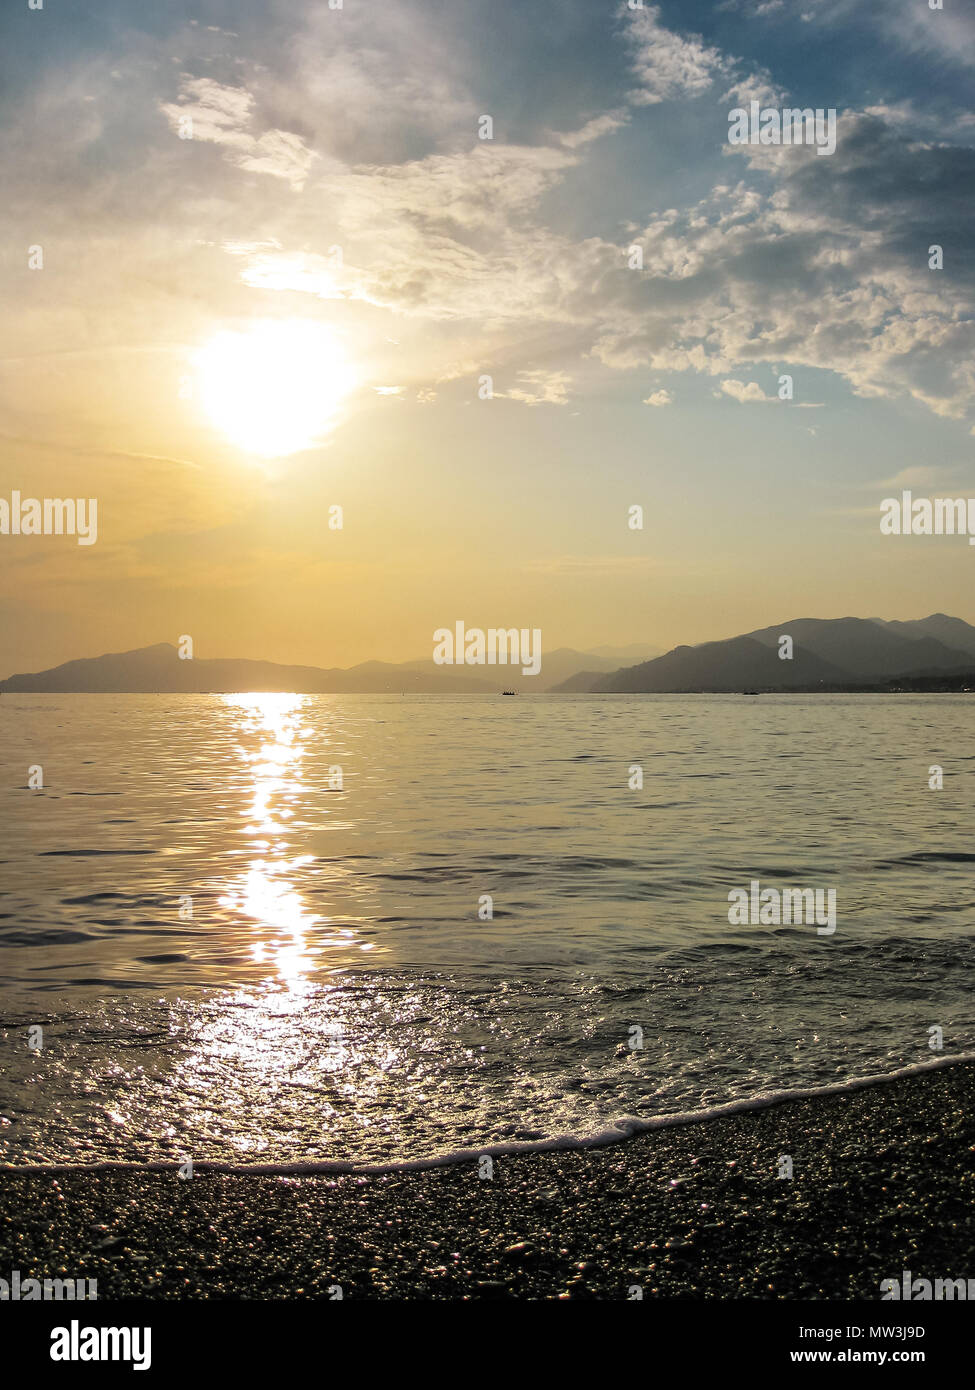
235, 951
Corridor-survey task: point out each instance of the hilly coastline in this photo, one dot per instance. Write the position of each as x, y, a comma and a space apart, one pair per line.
159, 670
803, 654
826, 654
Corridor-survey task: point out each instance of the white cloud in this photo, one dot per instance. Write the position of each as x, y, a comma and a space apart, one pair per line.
661, 397
220, 115
741, 392
321, 275
790, 259
446, 237
539, 387
757, 86
594, 129
919, 475
667, 65
826, 268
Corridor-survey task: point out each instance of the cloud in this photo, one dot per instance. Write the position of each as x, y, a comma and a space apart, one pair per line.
670, 66
665, 64
742, 393
594, 129
403, 213
661, 397
444, 237
919, 475
212, 113
307, 272
539, 387
754, 9
825, 267
755, 86
910, 25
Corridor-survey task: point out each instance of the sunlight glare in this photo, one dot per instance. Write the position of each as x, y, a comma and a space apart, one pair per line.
276, 387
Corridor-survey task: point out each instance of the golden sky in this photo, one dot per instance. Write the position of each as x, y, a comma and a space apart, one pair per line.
278, 261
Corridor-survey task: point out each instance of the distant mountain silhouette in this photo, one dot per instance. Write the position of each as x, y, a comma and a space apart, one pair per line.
159, 670
951, 631
827, 653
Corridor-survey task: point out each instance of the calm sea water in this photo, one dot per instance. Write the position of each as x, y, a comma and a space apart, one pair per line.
230, 956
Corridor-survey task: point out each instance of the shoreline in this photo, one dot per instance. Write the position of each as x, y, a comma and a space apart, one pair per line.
883, 1181
619, 1132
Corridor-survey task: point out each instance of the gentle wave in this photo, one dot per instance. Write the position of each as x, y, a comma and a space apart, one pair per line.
627, 1128
241, 961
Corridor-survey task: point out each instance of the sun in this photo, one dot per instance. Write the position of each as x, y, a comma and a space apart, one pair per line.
275, 387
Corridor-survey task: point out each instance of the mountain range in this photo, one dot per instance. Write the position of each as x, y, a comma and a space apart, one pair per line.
159, 670
827, 654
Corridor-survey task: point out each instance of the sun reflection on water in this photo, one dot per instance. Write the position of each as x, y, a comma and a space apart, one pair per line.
266, 893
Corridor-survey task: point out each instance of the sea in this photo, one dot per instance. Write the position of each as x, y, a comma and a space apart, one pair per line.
384, 930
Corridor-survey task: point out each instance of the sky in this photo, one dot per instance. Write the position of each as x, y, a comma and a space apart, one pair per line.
278, 262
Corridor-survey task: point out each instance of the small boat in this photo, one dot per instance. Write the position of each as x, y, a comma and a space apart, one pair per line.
509, 692
749, 692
